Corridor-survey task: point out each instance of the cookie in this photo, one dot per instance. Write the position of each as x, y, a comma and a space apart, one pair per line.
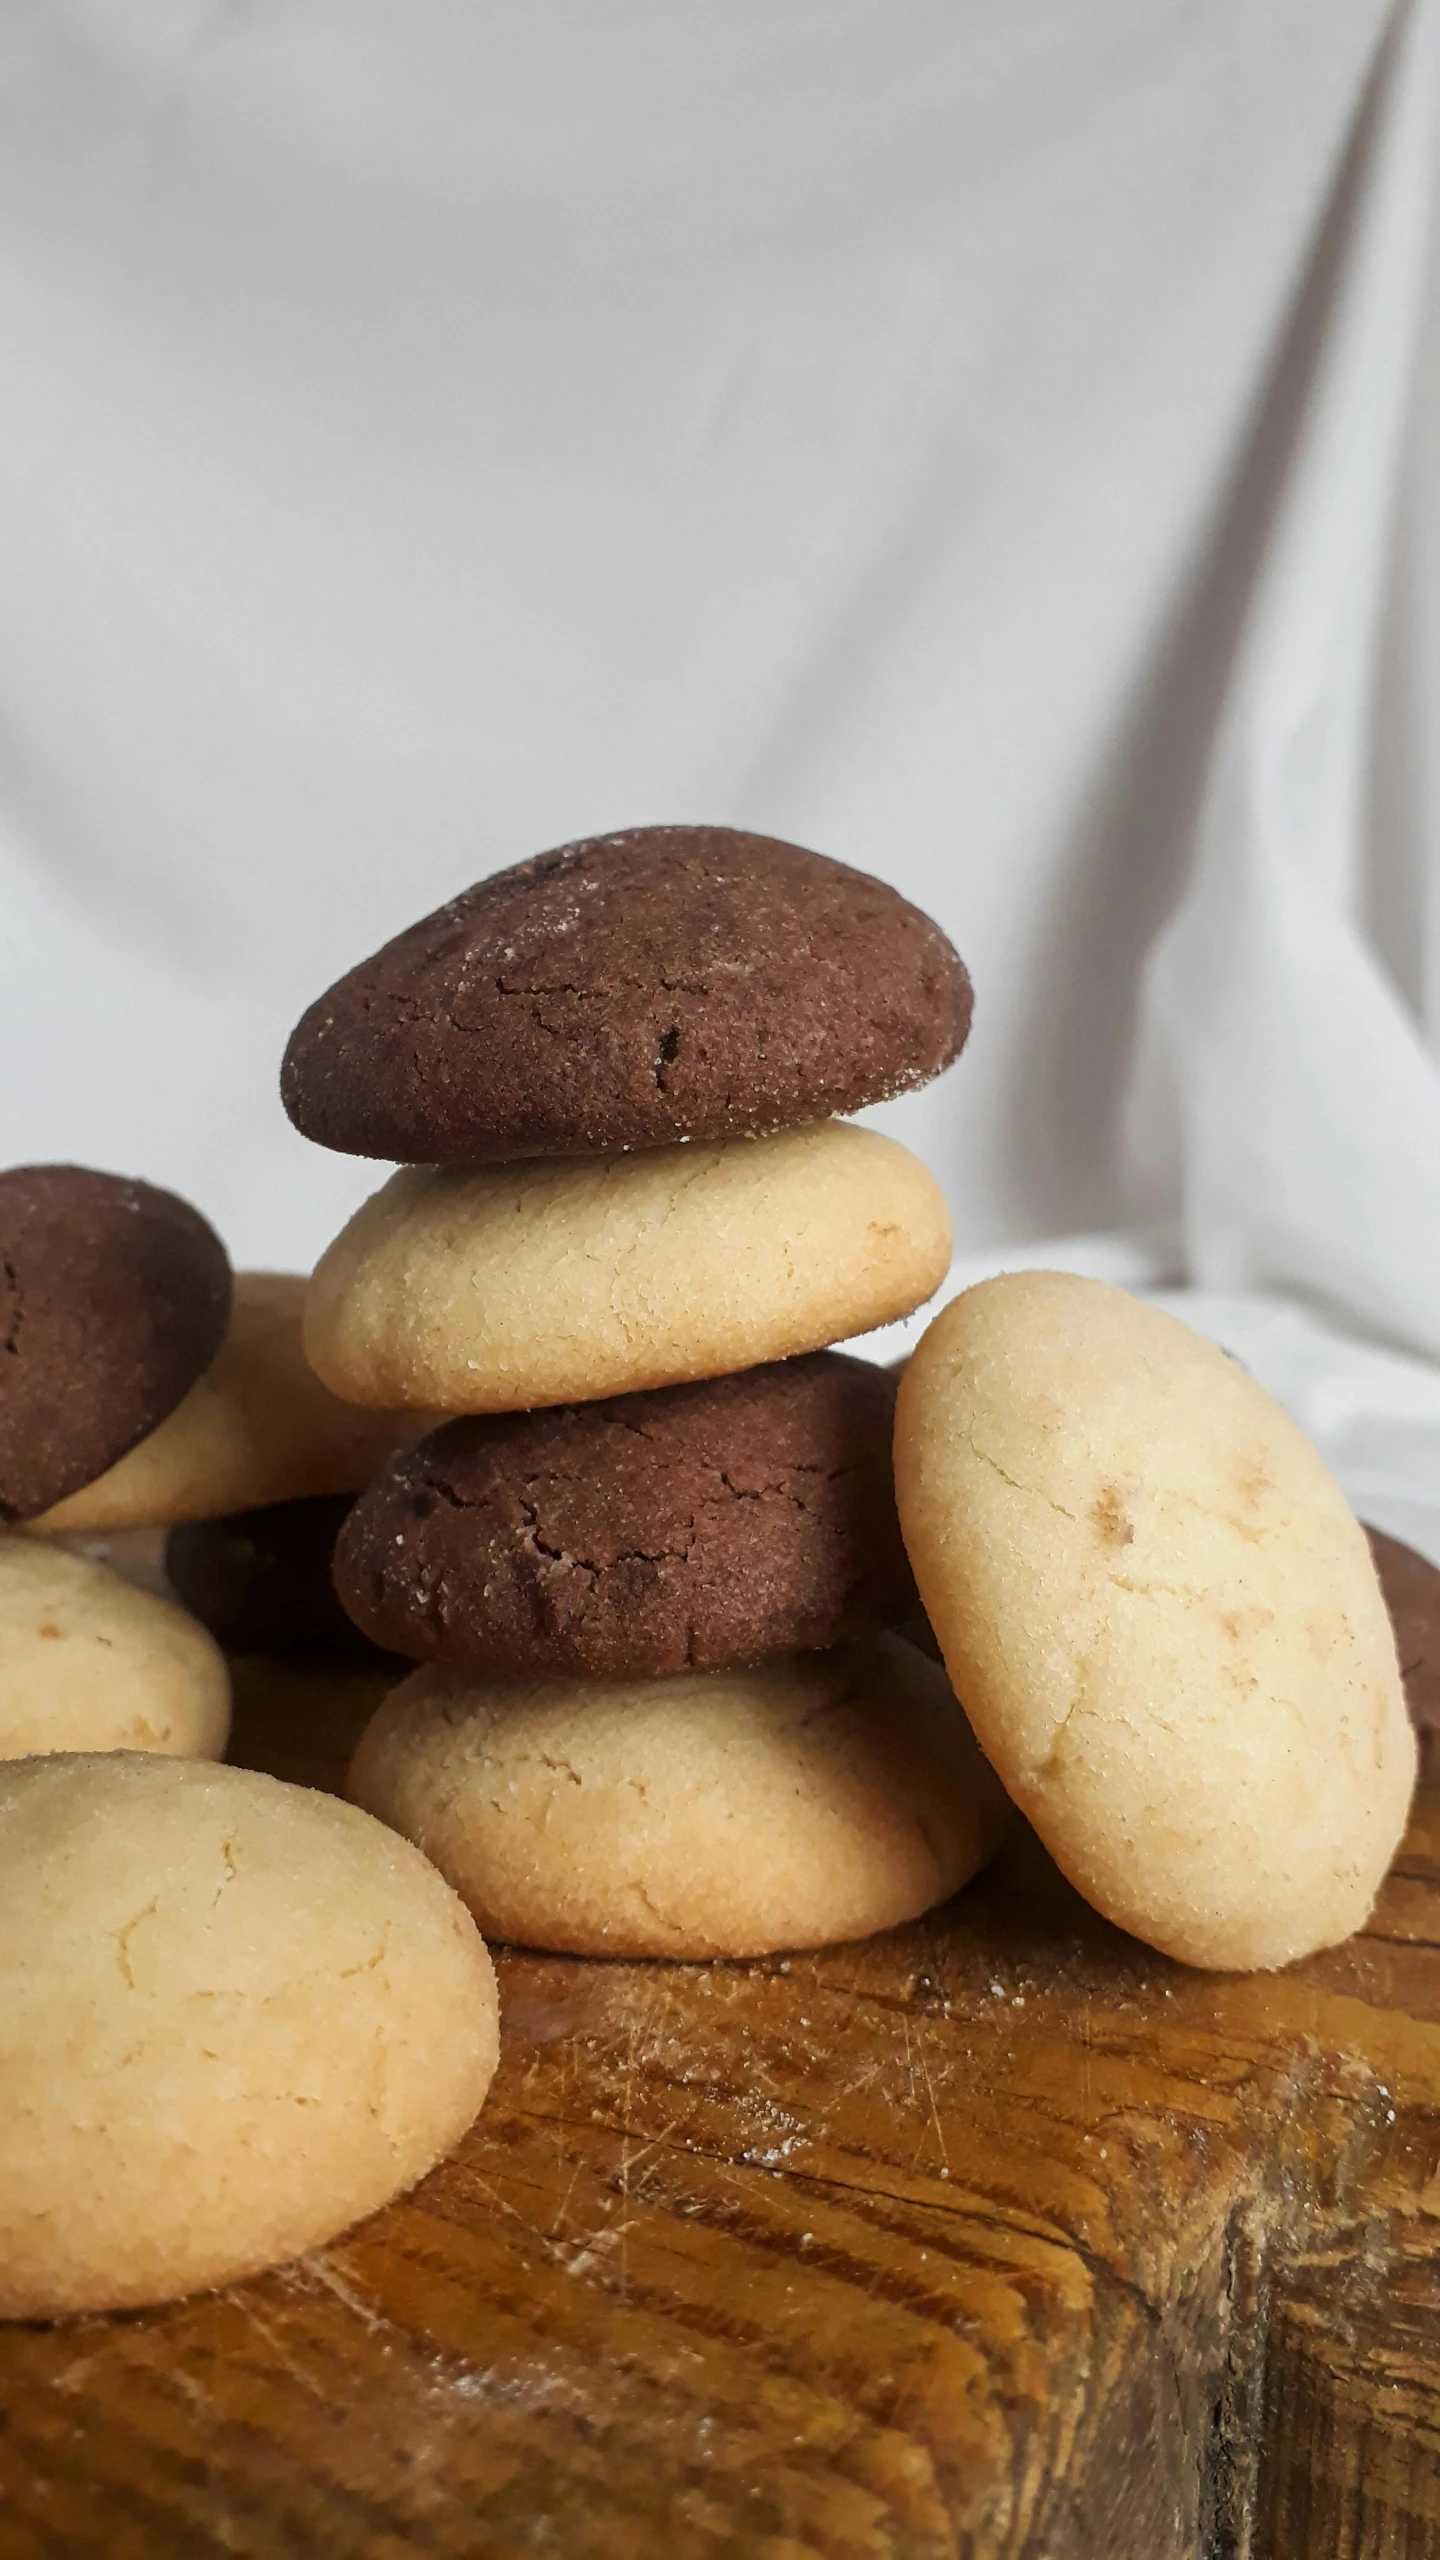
538, 1284
258, 1428
1161, 1615
261, 1580
811, 1799
113, 1298
676, 1531
235, 2016
630, 990
90, 1663
1411, 1586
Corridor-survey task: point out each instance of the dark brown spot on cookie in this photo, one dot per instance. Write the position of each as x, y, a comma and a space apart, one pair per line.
113, 1298
1111, 1518
628, 991
685, 1528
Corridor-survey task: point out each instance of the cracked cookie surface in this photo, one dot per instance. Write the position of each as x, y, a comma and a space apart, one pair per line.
630, 990
646, 1535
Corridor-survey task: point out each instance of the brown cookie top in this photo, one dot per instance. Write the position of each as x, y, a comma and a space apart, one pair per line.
628, 991
261, 1580
113, 1298
677, 1530
1411, 1585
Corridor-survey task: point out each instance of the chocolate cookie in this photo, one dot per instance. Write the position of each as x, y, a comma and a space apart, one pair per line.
261, 1580
680, 1530
113, 1298
628, 991
1411, 1586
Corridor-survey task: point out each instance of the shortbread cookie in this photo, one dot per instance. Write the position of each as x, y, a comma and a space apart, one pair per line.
1412, 1595
668, 1532
257, 1428
1161, 1615
815, 1798
113, 1298
538, 1284
234, 2017
90, 1663
630, 991
261, 1581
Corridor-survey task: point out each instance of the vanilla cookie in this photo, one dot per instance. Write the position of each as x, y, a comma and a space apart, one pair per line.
1161, 1615
235, 2016
553, 1283
810, 1799
90, 1663
257, 1428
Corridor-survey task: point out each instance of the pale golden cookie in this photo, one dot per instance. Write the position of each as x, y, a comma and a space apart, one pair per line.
257, 1428
234, 2017
550, 1283
812, 1798
1161, 1615
90, 1663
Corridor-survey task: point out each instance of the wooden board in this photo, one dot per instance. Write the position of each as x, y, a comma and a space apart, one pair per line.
999, 2235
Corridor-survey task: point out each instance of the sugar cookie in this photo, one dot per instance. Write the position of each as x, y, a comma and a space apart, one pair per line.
674, 1531
113, 1298
235, 2016
257, 1428
539, 1284
814, 1798
630, 991
90, 1663
1161, 1616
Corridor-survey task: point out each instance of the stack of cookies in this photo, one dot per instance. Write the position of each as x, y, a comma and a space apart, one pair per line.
652, 1570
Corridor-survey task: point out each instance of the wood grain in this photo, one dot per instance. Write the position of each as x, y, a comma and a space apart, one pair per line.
996, 2236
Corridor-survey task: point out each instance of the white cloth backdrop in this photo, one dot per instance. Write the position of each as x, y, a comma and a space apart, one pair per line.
992, 440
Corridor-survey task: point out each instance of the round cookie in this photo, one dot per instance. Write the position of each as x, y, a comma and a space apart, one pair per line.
1161, 1616
537, 1284
90, 1663
676, 1531
630, 990
726, 1813
235, 2016
1411, 1586
257, 1428
261, 1580
113, 1298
